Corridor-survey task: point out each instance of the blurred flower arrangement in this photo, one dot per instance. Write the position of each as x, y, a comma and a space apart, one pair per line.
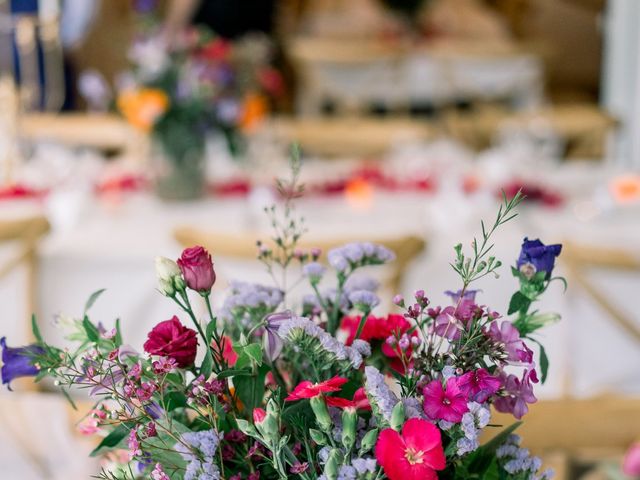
265, 389
180, 92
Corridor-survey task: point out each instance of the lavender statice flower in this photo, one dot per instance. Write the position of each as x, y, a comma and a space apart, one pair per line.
364, 465
518, 461
250, 300
292, 328
354, 255
362, 347
364, 300
202, 464
381, 398
472, 422
313, 271
361, 282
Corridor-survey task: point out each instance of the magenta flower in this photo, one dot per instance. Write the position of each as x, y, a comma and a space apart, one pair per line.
631, 462
445, 403
197, 269
479, 385
519, 393
453, 319
509, 337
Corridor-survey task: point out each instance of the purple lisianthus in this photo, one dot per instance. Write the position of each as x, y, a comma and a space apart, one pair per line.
271, 339
542, 257
18, 362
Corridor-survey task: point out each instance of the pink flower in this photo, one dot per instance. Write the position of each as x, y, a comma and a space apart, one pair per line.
514, 347
197, 269
307, 389
414, 455
359, 402
631, 462
453, 319
259, 415
448, 403
172, 339
134, 445
479, 385
158, 473
519, 393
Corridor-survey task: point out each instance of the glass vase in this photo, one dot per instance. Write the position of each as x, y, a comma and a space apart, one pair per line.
179, 170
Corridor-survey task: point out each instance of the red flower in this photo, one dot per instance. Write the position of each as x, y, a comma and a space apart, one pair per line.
445, 403
375, 328
414, 455
359, 402
228, 353
216, 50
307, 389
197, 269
173, 340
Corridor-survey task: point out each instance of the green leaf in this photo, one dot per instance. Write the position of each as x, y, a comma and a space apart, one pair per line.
93, 334
248, 355
250, 389
492, 445
519, 303
173, 400
118, 338
210, 331
207, 364
69, 399
234, 373
35, 329
92, 299
544, 361
111, 441
255, 352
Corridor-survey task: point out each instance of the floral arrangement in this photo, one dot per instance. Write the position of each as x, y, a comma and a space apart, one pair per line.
198, 84
322, 388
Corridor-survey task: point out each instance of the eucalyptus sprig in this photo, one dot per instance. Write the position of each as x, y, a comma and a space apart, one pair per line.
473, 267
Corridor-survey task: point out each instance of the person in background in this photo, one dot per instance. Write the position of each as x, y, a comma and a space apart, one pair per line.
228, 18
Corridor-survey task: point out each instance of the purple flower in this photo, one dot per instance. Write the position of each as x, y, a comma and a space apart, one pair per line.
271, 339
519, 393
509, 337
457, 296
364, 300
542, 257
18, 362
144, 6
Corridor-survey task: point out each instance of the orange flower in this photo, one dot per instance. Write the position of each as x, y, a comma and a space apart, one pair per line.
143, 107
254, 109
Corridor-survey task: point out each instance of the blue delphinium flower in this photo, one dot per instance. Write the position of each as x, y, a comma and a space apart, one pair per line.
536, 254
18, 361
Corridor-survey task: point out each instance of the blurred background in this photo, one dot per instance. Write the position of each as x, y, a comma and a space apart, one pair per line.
132, 128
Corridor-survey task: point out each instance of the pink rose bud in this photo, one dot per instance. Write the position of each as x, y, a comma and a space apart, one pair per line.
259, 415
316, 252
197, 269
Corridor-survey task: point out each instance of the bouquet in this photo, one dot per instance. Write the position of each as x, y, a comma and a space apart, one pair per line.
322, 388
181, 94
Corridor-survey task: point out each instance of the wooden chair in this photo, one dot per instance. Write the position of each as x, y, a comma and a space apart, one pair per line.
25, 232
578, 258
243, 246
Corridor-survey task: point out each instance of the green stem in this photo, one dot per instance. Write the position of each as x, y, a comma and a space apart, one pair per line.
363, 320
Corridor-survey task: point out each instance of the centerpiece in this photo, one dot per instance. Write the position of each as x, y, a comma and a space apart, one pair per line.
271, 388
183, 93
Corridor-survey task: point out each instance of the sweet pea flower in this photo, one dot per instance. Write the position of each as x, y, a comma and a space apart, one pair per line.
308, 389
17, 362
414, 454
197, 269
542, 257
445, 403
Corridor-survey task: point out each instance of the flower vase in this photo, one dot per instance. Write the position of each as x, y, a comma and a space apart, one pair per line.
179, 169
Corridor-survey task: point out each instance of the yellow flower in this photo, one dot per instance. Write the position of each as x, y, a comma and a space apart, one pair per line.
143, 107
